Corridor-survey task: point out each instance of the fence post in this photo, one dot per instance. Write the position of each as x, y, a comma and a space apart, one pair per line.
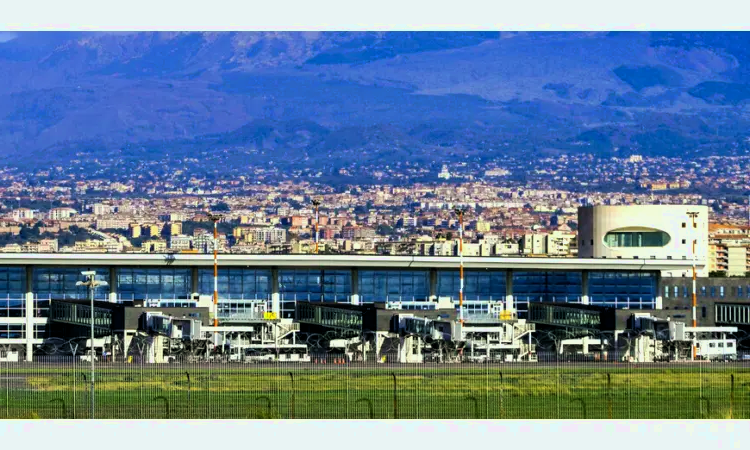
369, 405
558, 392
62, 401
268, 406
583, 405
208, 389
702, 399
291, 375
731, 397
502, 406
347, 392
476, 405
395, 398
7, 394
75, 385
140, 391
487, 392
187, 374
166, 403
610, 395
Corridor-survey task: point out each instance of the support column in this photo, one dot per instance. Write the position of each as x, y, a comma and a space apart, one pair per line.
275, 295
29, 326
658, 299
194, 286
509, 306
355, 287
127, 338
433, 285
585, 287
112, 284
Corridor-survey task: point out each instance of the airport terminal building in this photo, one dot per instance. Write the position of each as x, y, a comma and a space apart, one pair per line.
623, 281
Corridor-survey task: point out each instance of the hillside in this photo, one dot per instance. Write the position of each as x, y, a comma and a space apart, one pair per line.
303, 95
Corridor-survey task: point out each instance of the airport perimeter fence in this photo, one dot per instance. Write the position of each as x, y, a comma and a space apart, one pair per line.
330, 387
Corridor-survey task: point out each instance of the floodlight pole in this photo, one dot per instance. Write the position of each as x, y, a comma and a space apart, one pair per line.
93, 352
92, 284
693, 215
215, 218
316, 203
460, 211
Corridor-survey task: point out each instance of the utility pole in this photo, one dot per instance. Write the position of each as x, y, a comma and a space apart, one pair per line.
460, 212
316, 203
92, 283
693, 215
215, 218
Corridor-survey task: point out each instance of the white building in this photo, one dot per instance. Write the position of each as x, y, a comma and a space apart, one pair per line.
100, 209
180, 242
660, 232
112, 224
61, 213
269, 235
534, 244
22, 214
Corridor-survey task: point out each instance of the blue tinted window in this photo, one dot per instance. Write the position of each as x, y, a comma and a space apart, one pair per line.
477, 285
236, 283
633, 290
393, 285
153, 283
545, 287
314, 286
12, 292
60, 282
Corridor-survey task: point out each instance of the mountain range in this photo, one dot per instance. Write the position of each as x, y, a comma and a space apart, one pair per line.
375, 96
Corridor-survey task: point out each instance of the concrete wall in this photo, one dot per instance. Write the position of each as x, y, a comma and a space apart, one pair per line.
682, 305
595, 222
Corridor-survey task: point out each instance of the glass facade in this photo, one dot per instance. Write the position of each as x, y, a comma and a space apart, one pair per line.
80, 314
12, 331
153, 283
478, 285
329, 317
732, 314
239, 289
565, 316
60, 283
12, 295
313, 286
236, 284
631, 290
530, 287
615, 239
376, 286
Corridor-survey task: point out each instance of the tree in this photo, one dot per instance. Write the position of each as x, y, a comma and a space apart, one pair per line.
384, 230
221, 207
717, 274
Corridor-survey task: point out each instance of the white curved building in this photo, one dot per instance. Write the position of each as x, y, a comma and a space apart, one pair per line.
645, 232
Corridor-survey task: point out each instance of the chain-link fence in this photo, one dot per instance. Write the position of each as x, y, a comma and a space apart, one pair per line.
334, 385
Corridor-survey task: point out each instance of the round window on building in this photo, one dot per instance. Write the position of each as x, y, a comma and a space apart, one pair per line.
636, 238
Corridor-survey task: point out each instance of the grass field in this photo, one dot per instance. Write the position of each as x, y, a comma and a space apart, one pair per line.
458, 392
